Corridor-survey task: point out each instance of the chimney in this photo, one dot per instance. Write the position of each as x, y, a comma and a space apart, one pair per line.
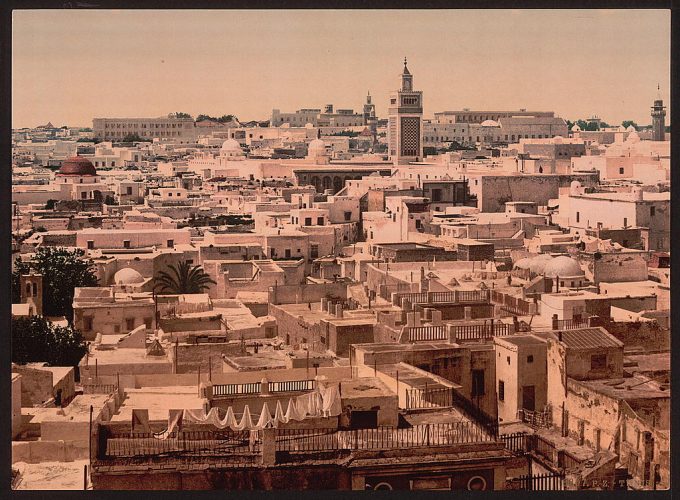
338, 309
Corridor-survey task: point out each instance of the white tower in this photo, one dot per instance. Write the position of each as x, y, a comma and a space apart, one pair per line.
405, 122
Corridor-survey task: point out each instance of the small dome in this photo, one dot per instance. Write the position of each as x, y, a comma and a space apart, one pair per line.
575, 128
77, 165
538, 263
562, 266
231, 145
316, 148
523, 263
127, 276
630, 128
489, 123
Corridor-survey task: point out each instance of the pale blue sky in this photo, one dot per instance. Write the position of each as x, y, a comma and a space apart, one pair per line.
70, 66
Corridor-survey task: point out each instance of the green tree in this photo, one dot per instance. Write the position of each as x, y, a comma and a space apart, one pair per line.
180, 114
62, 270
35, 339
134, 138
182, 278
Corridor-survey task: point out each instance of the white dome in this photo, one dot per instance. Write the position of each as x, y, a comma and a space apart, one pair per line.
489, 123
538, 263
562, 266
231, 145
316, 148
523, 263
575, 128
630, 128
127, 276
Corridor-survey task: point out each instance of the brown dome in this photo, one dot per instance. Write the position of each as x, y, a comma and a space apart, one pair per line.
77, 165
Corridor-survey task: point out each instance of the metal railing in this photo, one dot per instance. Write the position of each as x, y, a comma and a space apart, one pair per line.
429, 398
518, 442
382, 438
210, 443
538, 482
570, 324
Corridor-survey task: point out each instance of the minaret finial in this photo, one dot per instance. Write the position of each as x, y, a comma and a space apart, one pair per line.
404, 60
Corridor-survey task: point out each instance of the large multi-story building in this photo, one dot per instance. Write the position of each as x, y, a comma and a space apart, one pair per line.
405, 122
330, 117
178, 129
471, 116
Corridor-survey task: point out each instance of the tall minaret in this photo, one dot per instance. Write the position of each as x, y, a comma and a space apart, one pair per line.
658, 119
405, 122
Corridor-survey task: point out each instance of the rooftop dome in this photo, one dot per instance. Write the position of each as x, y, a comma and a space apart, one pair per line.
630, 128
575, 128
231, 145
127, 276
523, 263
77, 165
537, 264
489, 123
316, 147
562, 266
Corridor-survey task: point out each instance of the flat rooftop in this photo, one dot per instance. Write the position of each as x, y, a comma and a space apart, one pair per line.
158, 400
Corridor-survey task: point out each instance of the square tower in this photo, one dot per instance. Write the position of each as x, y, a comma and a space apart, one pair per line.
405, 122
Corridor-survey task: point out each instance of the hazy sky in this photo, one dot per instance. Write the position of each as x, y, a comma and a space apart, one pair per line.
70, 66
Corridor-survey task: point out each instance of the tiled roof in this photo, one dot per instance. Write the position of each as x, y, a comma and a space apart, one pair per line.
588, 338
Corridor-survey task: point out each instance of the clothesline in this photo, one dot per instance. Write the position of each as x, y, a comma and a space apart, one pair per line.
323, 401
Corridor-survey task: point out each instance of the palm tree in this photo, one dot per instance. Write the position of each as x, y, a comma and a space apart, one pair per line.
182, 278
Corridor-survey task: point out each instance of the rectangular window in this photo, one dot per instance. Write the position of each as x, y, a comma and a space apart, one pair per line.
287, 252
530, 358
130, 324
87, 323
598, 361
314, 251
348, 215
129, 190
621, 170
171, 243
147, 323
477, 383
90, 244
308, 221
126, 243
625, 222
501, 390
319, 221
578, 217
652, 211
